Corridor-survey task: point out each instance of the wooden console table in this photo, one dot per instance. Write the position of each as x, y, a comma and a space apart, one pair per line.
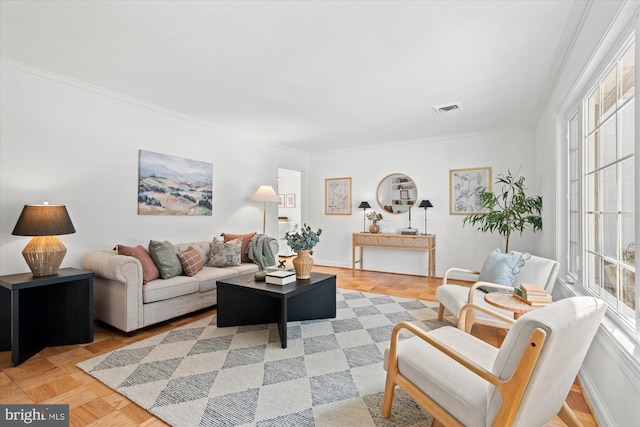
395, 241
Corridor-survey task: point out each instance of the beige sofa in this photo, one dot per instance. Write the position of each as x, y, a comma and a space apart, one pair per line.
121, 300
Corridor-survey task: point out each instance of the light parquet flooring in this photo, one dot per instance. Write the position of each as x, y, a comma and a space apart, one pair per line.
52, 377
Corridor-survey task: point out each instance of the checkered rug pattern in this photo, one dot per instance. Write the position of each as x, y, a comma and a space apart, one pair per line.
330, 374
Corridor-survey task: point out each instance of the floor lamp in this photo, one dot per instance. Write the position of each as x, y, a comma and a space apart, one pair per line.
425, 204
265, 194
365, 206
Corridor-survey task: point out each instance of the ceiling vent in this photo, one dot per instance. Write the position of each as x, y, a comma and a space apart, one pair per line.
447, 107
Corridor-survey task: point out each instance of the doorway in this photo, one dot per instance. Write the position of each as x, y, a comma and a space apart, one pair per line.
289, 207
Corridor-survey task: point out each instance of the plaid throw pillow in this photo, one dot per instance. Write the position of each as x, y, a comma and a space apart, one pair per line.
191, 261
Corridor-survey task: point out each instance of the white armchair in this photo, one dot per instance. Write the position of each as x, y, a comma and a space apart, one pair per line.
536, 270
463, 381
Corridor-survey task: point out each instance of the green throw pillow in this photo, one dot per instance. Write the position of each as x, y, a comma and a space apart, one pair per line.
165, 256
501, 268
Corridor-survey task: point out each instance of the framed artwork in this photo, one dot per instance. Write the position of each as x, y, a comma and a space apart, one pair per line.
291, 200
463, 190
169, 185
281, 200
337, 196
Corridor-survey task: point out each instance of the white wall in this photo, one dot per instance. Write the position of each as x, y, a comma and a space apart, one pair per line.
611, 370
428, 164
68, 143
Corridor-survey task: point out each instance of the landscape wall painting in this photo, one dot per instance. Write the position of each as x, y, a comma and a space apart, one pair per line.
169, 185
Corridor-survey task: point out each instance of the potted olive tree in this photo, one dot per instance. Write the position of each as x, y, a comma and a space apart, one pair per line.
508, 210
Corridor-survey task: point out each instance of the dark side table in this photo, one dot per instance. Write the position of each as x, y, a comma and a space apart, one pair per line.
45, 311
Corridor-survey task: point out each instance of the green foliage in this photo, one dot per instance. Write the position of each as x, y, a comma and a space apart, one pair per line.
509, 210
305, 239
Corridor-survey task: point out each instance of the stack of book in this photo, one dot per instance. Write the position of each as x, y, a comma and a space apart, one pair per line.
532, 294
280, 277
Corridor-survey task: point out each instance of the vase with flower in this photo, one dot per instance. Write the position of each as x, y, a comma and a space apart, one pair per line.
374, 217
302, 243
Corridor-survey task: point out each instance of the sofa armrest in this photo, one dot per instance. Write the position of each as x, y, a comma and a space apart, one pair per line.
117, 289
109, 265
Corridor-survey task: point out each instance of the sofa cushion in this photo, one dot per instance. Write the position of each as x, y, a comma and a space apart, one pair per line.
224, 254
161, 289
246, 238
245, 268
149, 269
165, 256
191, 261
203, 248
209, 275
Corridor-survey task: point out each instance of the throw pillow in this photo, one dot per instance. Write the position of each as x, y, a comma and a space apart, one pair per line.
246, 238
225, 254
502, 269
165, 256
149, 270
191, 261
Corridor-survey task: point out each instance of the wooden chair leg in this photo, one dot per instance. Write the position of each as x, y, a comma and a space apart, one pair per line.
567, 415
440, 311
389, 389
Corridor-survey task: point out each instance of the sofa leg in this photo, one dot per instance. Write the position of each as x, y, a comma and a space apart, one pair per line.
131, 333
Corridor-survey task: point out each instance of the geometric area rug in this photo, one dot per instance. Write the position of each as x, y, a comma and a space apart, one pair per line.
331, 373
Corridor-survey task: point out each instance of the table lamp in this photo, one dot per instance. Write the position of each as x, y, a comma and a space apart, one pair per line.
265, 194
45, 252
425, 204
365, 206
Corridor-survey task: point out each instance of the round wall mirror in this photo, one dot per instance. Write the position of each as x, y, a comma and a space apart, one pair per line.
397, 193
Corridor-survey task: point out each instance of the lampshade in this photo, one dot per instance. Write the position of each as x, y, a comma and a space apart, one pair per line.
43, 220
425, 204
266, 194
45, 252
364, 205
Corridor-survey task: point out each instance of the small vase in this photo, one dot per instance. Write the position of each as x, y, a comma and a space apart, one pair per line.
374, 228
302, 264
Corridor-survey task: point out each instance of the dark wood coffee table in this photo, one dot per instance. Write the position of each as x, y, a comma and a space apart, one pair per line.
243, 301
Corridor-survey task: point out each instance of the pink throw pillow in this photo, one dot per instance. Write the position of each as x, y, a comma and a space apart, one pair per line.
191, 261
246, 238
149, 270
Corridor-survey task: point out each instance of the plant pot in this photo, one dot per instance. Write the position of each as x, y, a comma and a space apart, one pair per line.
302, 264
374, 228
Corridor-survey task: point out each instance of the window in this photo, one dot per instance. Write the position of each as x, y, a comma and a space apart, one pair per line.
601, 183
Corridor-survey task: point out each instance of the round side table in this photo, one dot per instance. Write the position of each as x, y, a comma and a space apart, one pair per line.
506, 301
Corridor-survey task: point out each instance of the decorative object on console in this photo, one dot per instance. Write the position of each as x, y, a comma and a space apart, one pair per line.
425, 204
374, 217
302, 243
169, 185
337, 196
265, 194
365, 206
45, 252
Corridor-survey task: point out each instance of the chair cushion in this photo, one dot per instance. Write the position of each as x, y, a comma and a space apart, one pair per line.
165, 256
454, 297
225, 254
440, 377
501, 268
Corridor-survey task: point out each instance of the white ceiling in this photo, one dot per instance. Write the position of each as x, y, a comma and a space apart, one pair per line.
312, 76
